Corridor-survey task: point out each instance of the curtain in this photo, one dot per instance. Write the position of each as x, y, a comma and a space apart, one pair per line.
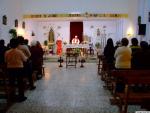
76, 28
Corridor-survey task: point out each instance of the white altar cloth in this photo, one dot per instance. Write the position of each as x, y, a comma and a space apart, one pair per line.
77, 46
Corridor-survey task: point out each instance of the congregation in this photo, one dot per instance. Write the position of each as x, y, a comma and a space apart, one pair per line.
19, 60
22, 60
75, 56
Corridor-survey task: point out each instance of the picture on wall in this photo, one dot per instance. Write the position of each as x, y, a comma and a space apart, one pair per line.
32, 34
4, 20
16, 23
23, 25
149, 16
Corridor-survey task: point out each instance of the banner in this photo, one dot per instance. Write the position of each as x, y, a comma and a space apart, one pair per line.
29, 16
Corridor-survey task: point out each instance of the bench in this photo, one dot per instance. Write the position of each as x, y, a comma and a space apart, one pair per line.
99, 68
104, 71
5, 89
130, 77
102, 65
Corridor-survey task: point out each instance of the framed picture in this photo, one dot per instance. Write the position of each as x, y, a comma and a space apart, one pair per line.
16, 23
32, 34
4, 20
23, 25
149, 16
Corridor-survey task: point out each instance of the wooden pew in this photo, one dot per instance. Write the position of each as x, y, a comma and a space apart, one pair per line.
99, 68
102, 65
104, 72
129, 78
5, 88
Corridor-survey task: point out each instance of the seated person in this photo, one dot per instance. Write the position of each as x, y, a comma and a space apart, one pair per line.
140, 59
134, 47
75, 40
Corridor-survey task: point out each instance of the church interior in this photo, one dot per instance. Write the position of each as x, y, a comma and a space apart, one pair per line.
89, 56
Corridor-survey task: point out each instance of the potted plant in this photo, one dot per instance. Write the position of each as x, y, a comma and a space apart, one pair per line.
13, 33
45, 43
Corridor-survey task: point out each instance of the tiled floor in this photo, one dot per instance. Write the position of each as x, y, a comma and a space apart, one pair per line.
71, 90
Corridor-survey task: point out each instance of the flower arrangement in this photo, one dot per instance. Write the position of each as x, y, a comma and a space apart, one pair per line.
97, 45
64, 42
45, 43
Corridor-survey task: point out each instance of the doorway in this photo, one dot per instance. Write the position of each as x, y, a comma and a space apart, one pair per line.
76, 29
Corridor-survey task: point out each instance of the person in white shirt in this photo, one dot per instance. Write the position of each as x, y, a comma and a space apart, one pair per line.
75, 40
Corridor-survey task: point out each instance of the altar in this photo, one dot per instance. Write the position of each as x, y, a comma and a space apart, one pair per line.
73, 51
77, 48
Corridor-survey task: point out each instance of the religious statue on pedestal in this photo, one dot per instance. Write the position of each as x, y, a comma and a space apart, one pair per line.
75, 40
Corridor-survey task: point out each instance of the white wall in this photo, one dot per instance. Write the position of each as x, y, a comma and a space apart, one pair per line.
110, 30
31, 26
91, 6
61, 30
12, 9
114, 29
69, 6
41, 30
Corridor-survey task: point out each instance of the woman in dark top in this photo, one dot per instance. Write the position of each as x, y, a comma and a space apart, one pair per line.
3, 49
109, 51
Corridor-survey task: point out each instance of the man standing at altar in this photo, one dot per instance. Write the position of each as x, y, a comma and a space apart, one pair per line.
75, 40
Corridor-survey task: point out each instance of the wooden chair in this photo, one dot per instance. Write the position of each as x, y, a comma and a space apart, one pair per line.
99, 68
104, 72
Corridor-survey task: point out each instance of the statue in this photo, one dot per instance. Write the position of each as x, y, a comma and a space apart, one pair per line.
51, 36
